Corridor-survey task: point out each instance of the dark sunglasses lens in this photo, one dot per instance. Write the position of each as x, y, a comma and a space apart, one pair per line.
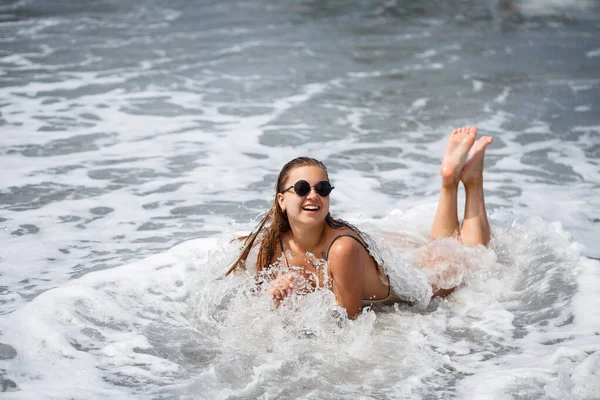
323, 188
302, 188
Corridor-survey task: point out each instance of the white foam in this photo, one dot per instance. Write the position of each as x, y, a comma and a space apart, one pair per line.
503, 96
477, 86
104, 326
593, 53
419, 103
426, 54
550, 7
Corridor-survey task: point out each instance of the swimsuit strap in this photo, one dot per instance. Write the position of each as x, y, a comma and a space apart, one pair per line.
346, 235
283, 252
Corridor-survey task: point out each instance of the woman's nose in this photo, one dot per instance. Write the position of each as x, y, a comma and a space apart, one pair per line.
312, 193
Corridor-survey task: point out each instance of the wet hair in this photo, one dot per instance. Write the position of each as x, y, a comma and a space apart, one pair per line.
275, 222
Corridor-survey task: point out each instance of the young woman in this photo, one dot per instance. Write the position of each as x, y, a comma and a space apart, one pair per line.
303, 247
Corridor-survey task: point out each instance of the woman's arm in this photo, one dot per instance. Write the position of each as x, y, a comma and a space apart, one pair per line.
347, 272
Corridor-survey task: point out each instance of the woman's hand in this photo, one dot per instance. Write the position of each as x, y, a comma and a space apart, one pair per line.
281, 288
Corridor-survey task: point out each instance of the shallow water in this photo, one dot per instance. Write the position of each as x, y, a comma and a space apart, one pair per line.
130, 128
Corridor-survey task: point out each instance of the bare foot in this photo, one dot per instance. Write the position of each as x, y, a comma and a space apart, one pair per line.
460, 142
472, 172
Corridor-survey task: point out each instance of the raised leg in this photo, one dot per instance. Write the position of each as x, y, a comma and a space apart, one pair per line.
475, 228
460, 142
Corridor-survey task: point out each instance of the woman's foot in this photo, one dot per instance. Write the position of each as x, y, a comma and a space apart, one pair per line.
460, 142
472, 171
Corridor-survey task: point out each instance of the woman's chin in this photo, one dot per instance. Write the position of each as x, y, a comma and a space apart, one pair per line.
312, 218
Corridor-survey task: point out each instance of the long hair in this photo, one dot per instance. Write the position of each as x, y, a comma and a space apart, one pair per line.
275, 222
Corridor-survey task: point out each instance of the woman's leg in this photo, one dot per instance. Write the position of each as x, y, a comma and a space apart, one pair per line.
460, 142
475, 228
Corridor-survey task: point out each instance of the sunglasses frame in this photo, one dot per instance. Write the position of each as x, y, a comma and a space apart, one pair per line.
309, 188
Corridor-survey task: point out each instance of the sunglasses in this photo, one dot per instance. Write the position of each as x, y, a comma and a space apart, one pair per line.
302, 188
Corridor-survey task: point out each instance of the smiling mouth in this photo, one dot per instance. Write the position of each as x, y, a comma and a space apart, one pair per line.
311, 208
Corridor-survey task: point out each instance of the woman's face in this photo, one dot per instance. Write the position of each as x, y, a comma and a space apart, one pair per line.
307, 210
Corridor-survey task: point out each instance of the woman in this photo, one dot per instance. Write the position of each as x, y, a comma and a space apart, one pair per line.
304, 247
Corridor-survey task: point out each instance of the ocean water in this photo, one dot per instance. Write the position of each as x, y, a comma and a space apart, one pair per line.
138, 137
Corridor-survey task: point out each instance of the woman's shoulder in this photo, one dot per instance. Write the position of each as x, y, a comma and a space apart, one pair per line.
344, 240
346, 231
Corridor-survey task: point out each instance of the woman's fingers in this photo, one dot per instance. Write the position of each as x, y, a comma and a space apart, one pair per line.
286, 284
276, 292
281, 287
